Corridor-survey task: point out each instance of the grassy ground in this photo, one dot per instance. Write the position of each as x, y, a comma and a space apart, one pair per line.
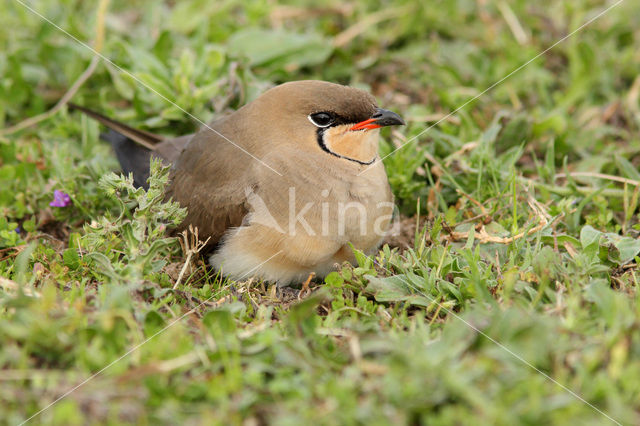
510, 297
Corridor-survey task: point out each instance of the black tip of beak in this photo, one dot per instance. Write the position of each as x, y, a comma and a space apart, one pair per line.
384, 117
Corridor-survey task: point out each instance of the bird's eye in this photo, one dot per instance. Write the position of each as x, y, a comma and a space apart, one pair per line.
322, 119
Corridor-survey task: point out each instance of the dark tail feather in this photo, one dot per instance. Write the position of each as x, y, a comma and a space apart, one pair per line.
133, 147
132, 157
146, 139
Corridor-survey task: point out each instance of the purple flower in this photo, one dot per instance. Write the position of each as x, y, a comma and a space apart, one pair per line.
60, 199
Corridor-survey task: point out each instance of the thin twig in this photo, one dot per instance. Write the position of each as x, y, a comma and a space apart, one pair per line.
346, 36
31, 121
562, 190
469, 146
473, 200
190, 246
484, 237
599, 176
513, 23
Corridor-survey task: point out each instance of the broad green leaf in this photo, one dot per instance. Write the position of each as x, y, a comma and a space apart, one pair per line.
589, 235
616, 248
395, 289
71, 258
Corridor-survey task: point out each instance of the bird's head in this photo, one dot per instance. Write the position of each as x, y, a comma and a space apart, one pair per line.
341, 121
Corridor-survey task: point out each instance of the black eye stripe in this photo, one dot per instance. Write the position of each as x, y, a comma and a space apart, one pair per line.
324, 119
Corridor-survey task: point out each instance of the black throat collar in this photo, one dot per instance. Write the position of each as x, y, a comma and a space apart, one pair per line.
320, 137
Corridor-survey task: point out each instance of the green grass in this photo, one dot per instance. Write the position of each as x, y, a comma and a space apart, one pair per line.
458, 327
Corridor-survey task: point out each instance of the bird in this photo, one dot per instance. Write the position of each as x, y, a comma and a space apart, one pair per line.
277, 186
